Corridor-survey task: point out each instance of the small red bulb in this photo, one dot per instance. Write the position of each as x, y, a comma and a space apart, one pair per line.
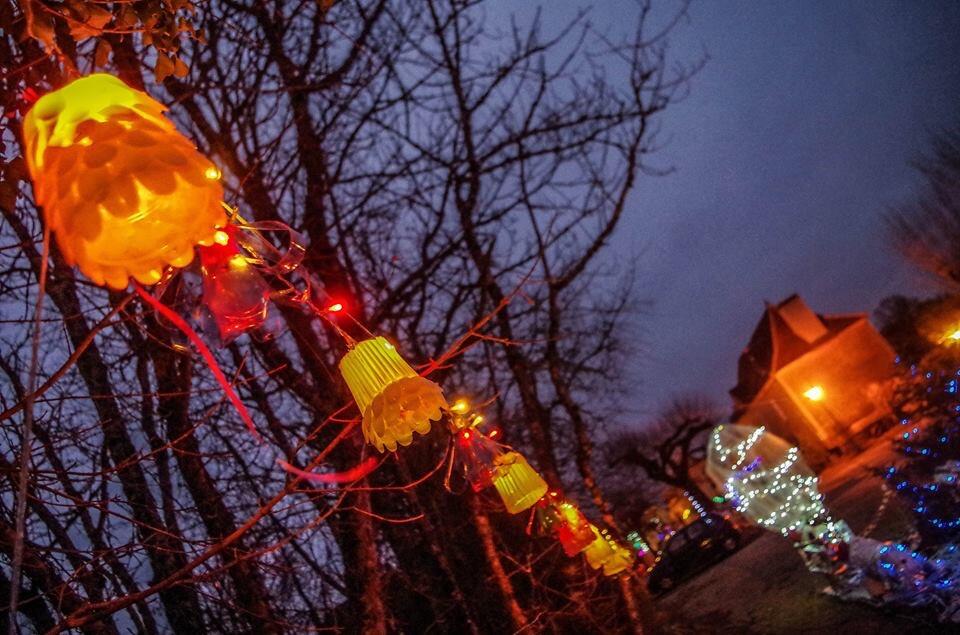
335, 308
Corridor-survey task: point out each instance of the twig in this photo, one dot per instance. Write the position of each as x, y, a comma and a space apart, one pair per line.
26, 437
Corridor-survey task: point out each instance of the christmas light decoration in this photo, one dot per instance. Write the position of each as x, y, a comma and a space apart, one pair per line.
767, 481
562, 519
697, 507
233, 290
486, 462
128, 196
478, 454
519, 485
605, 552
123, 191
638, 543
462, 415
927, 403
573, 531
394, 400
600, 550
621, 560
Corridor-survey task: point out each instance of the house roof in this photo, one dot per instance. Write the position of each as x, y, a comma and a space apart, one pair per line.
786, 331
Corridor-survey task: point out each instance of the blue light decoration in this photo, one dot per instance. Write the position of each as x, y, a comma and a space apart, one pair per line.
926, 476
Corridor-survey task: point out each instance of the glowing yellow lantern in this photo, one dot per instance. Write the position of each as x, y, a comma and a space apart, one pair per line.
621, 560
518, 484
600, 550
395, 401
124, 192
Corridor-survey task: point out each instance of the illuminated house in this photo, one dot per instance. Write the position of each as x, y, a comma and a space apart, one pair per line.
817, 380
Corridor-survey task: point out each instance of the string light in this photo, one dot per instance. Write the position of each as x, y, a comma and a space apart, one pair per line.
783, 496
928, 479
697, 507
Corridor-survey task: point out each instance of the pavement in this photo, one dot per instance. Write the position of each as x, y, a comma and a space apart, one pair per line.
764, 587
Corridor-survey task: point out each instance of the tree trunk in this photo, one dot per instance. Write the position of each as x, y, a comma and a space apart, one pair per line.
499, 574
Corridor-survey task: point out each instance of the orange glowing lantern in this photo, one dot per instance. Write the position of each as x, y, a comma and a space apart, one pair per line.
394, 400
124, 192
518, 484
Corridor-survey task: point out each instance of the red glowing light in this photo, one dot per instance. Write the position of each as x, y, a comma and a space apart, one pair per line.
335, 308
493, 433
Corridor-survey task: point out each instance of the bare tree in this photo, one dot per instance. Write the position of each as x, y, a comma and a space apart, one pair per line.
927, 229
667, 448
455, 184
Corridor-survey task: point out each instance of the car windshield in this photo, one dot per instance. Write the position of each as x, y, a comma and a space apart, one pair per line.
677, 541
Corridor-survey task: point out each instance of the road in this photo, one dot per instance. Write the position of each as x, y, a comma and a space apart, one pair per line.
764, 587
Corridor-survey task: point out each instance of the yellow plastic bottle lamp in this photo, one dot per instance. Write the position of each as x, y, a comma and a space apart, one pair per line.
606, 552
394, 400
519, 485
600, 550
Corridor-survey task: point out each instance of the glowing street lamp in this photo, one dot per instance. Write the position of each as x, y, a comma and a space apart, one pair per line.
815, 393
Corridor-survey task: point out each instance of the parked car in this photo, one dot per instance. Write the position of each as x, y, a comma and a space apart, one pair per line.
691, 550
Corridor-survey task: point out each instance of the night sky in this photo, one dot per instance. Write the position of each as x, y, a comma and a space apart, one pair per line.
794, 140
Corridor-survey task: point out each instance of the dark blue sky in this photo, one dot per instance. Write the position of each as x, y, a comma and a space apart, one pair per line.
794, 140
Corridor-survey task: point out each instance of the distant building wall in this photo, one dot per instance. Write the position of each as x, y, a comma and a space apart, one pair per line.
817, 381
777, 410
852, 368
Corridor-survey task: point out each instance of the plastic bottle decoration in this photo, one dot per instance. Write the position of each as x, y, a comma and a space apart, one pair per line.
123, 191
621, 560
394, 400
574, 530
600, 550
478, 454
563, 519
233, 290
518, 484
